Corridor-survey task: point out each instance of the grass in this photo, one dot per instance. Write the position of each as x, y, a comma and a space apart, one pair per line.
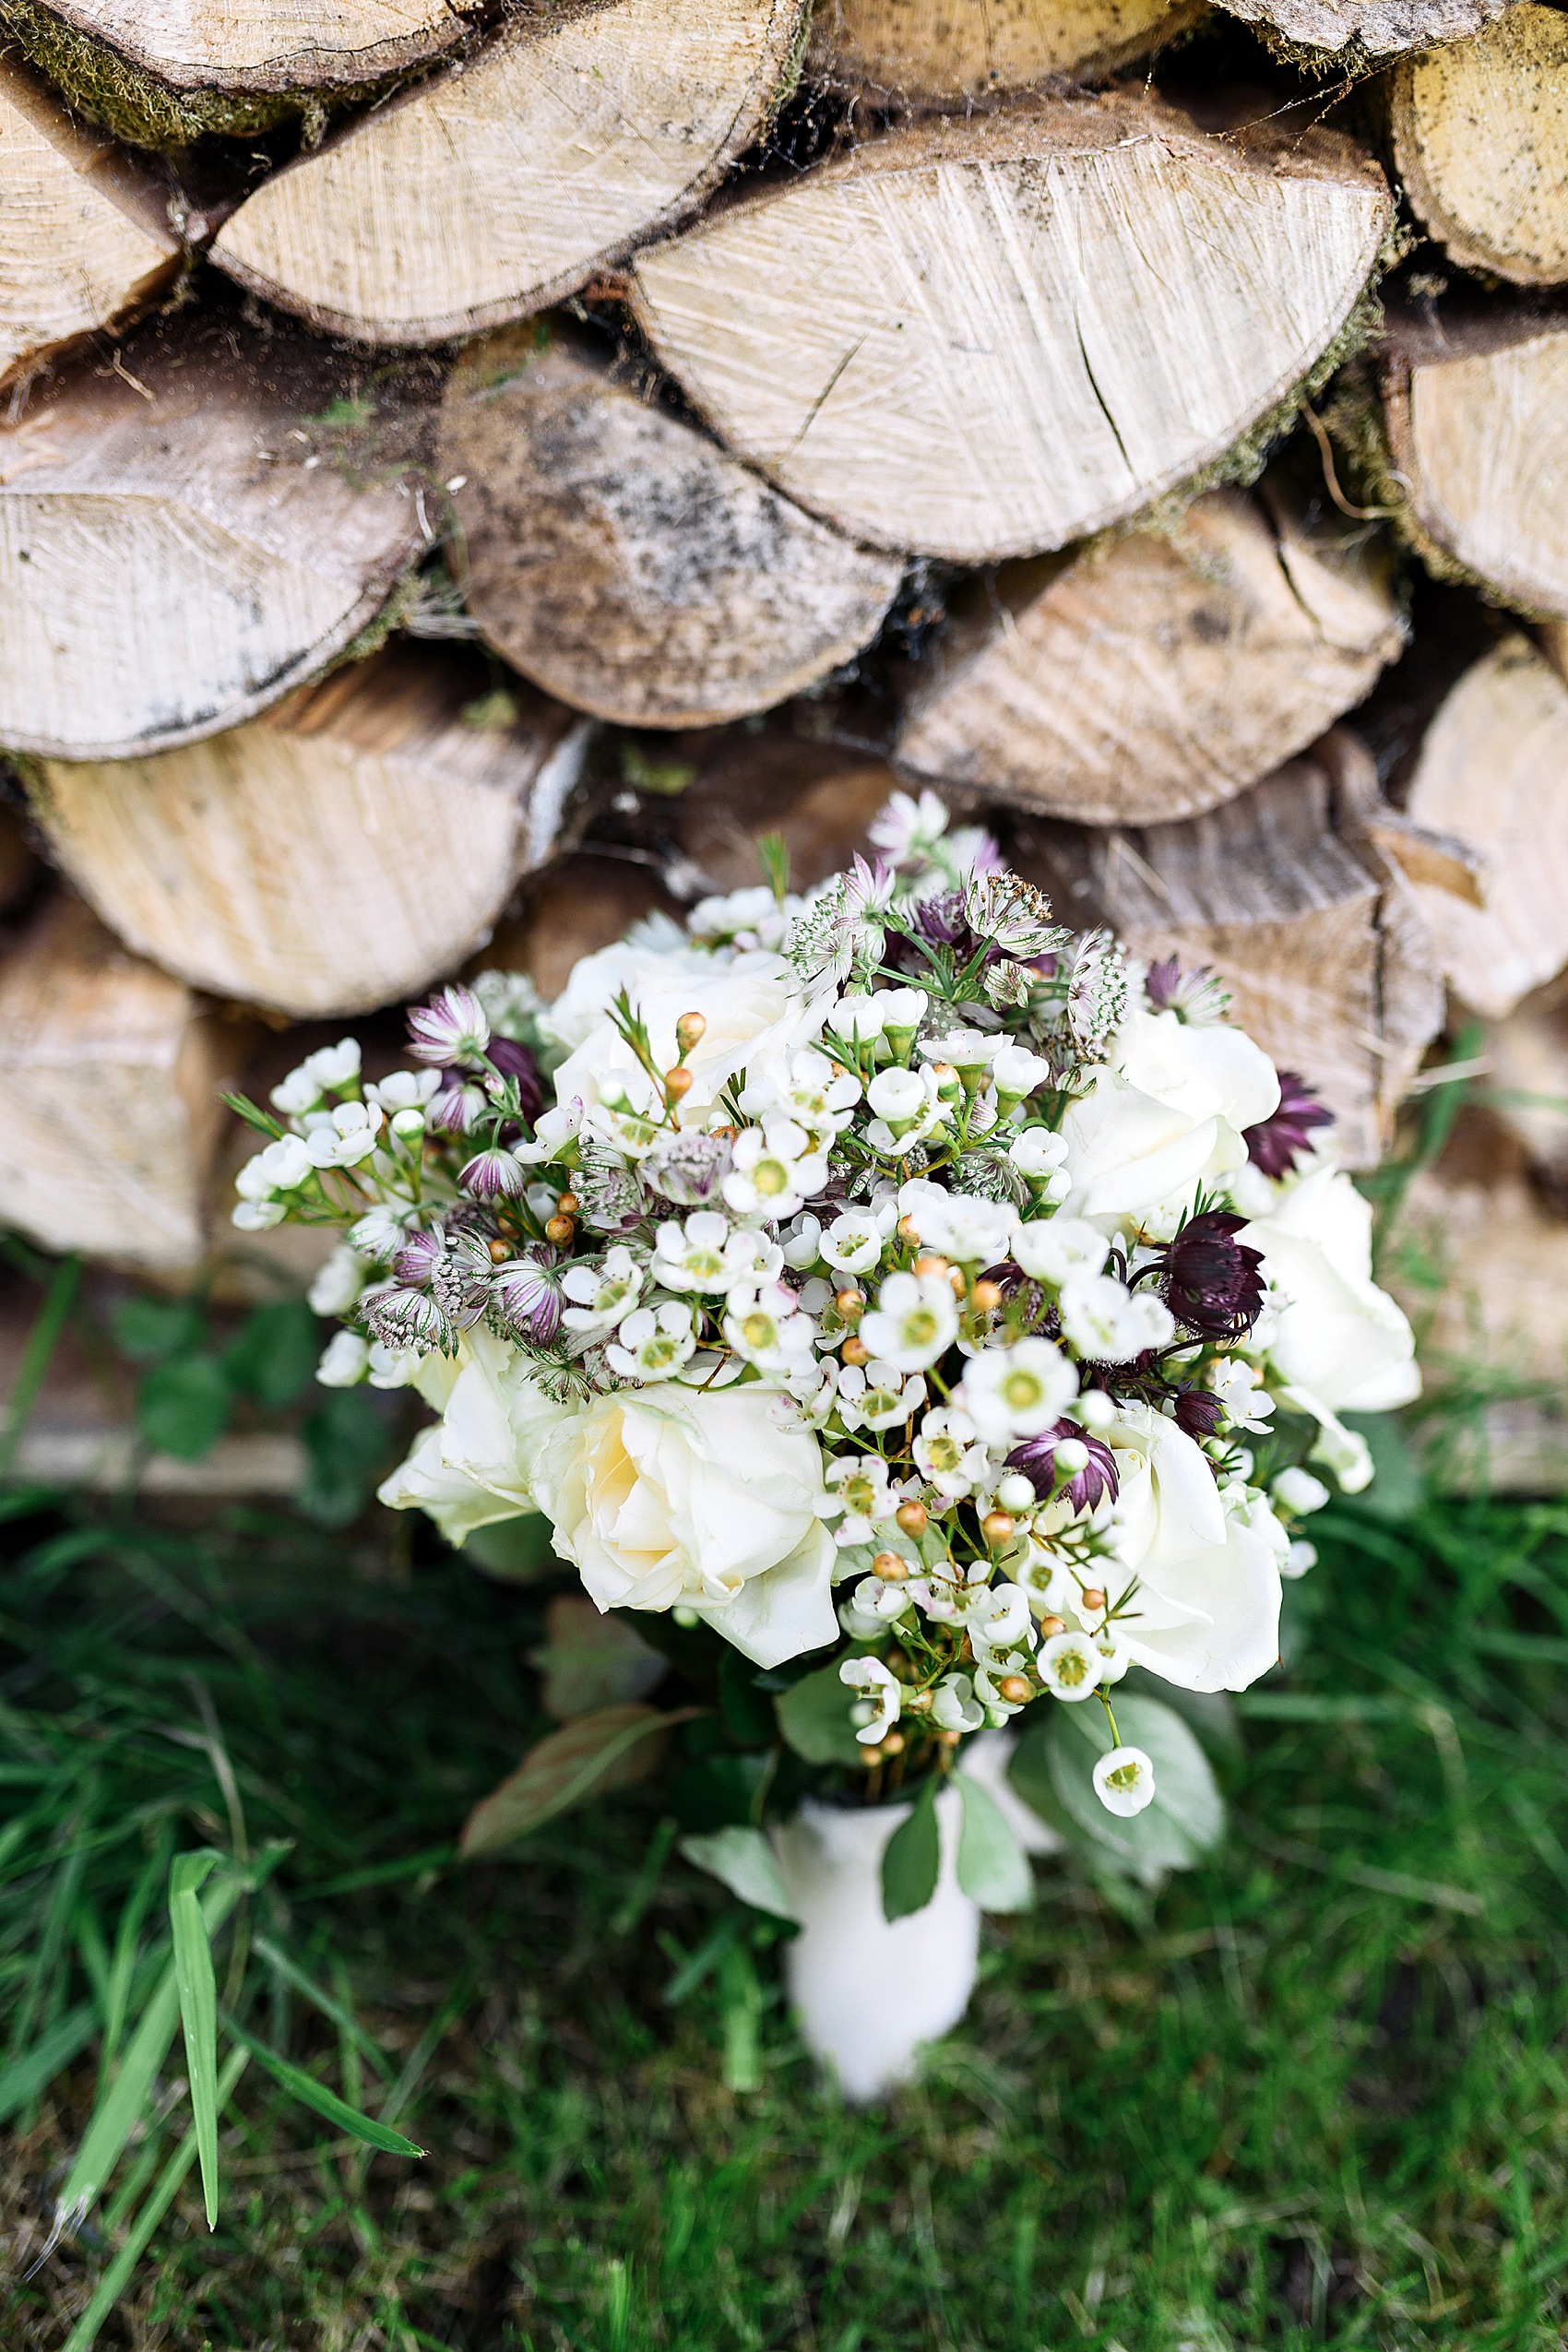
1316, 2095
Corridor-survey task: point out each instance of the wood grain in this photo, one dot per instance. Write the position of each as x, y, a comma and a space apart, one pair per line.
924, 51
1480, 137
267, 45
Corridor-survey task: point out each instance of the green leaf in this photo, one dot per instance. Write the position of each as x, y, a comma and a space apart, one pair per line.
518, 1551
913, 1857
25, 2077
992, 1868
312, 2093
607, 1750
347, 1446
265, 1949
274, 1354
815, 1718
149, 1329
591, 1660
742, 1861
198, 2010
183, 1406
748, 1712
1185, 1821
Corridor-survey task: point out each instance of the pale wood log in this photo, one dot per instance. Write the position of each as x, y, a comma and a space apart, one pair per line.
1527, 1055
926, 51
109, 1109
1482, 1265
1373, 27
619, 558
494, 188
1493, 770
1477, 413
948, 341
243, 46
1154, 674
182, 541
1480, 137
85, 239
1329, 962
341, 852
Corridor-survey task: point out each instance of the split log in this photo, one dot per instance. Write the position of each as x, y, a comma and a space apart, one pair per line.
1480, 134
88, 240
109, 1109
1493, 770
1281, 892
1373, 27
495, 189
1154, 674
620, 559
181, 541
948, 341
1528, 1069
925, 52
1477, 411
354, 843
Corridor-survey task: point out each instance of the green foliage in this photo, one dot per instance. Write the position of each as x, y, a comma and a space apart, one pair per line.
1186, 1820
993, 1870
198, 2010
813, 1716
609, 1749
912, 1857
519, 1551
274, 1354
742, 1858
348, 1450
185, 1405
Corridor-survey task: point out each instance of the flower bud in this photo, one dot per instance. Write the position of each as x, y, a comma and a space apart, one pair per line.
929, 1262
850, 1304
559, 1229
891, 1567
855, 1351
894, 1745
1093, 1597
1016, 1690
569, 1204
913, 1517
997, 1528
908, 1231
678, 1082
985, 1297
690, 1029
1049, 1625
949, 1084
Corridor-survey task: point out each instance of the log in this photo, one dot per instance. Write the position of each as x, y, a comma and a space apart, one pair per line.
1527, 1066
948, 341
1154, 674
1477, 413
109, 1109
1481, 131
494, 188
341, 852
245, 46
620, 559
88, 241
1493, 770
185, 534
926, 52
1369, 28
1279, 891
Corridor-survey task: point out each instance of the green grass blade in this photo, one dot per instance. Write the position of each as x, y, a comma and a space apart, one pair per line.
312, 2093
26, 2078
116, 2278
294, 1975
198, 2010
37, 1355
122, 1964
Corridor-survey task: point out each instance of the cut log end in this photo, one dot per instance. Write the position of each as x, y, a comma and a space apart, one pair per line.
1480, 129
1368, 29
925, 52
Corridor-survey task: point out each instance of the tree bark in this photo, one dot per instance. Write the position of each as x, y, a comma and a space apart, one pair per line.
948, 341
1371, 28
925, 52
620, 559
353, 844
241, 46
186, 533
1480, 137
488, 191
1155, 674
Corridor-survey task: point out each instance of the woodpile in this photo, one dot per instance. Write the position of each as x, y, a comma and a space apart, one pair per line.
561, 441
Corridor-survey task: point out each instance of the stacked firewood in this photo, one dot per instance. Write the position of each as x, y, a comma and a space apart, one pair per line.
464, 472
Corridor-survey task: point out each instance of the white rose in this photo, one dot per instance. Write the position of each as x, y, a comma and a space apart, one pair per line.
456, 1503
667, 1496
753, 1006
1339, 1341
1168, 1110
1210, 1072
471, 1468
1206, 1614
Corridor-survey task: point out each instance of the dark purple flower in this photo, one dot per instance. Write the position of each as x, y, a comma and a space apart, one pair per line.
1198, 1412
1275, 1144
493, 1176
1212, 1282
452, 1028
1087, 1487
527, 1297
942, 919
516, 1061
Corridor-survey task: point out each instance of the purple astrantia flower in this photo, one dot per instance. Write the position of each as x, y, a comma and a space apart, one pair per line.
941, 919
1277, 1143
527, 1297
452, 1028
1096, 1483
404, 1318
1197, 996
493, 1176
1198, 1413
458, 1106
1213, 1283
417, 1260
688, 1168
516, 1061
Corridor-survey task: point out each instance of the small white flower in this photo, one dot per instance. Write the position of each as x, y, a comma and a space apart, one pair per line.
299, 1092
1123, 1781
553, 1130
961, 1225
1115, 1657
404, 1090
806, 1091
339, 1282
257, 1217
344, 1361
1018, 1392
952, 1706
914, 1322
1247, 1402
392, 1367
1299, 1559
1052, 1248
908, 828
857, 1018
693, 1256
872, 1606
334, 1067
898, 1095
283, 1167
653, 1342
802, 1245
603, 1296
342, 1138
857, 1485
1110, 1324
903, 1009
998, 1622
964, 1048
875, 1396
948, 1452
1070, 1665
854, 1241
1300, 1491
381, 1232
775, 1166
766, 1327
882, 1698
748, 918
1015, 1072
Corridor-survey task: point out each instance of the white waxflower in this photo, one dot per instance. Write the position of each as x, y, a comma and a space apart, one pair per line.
1299, 1559
854, 1241
767, 1328
872, 1608
877, 1709
1070, 1665
404, 1090
299, 1092
807, 1090
1051, 1249
876, 1396
749, 918
601, 1297
1110, 1324
553, 1130
1045, 1578
1300, 1491
257, 1217
1114, 1656
694, 1256
964, 1048
775, 1166
949, 1451
998, 1622
339, 1282
1018, 1392
1015, 1072
856, 1017
342, 1138
915, 1321
920, 1109
282, 1167
653, 1342
393, 1366
1246, 1401
961, 1225
908, 828
1123, 1781
334, 1067
802, 1245
344, 1360
952, 1706
898, 1095
903, 1009
859, 1487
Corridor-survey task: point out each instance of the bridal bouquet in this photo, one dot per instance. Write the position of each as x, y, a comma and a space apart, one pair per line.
946, 1310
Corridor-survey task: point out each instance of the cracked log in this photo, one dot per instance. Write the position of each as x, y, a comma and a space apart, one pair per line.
341, 852
185, 536
1154, 674
620, 559
948, 341
493, 188
925, 52
1480, 137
